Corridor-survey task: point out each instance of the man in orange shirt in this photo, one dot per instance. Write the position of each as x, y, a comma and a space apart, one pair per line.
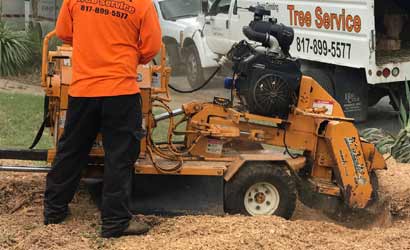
109, 38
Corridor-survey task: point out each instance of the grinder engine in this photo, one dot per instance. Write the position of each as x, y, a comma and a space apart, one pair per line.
267, 78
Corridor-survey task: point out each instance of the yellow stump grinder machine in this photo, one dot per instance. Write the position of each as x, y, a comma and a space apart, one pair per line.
279, 138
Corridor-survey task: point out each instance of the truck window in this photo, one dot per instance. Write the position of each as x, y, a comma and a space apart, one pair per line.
221, 6
176, 9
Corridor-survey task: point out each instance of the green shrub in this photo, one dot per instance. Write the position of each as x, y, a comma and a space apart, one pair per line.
15, 51
400, 150
398, 146
380, 138
35, 37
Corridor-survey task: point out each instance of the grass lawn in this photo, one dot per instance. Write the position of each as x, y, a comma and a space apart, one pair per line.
21, 116
161, 131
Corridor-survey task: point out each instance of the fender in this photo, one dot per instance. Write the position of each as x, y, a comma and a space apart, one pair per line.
208, 58
292, 164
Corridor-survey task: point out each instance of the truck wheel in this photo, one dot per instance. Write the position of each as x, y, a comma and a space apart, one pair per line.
172, 58
261, 188
194, 70
323, 78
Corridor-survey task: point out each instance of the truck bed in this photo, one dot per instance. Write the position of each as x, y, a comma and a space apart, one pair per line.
402, 55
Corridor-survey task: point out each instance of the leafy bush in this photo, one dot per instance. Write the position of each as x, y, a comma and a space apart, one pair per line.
35, 37
400, 150
380, 138
15, 51
398, 146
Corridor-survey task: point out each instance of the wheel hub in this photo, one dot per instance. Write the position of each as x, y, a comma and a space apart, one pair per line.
261, 199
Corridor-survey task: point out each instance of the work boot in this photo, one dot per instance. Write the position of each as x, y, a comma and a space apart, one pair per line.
134, 228
56, 219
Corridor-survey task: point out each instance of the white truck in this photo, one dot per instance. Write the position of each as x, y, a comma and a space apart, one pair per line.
358, 50
182, 35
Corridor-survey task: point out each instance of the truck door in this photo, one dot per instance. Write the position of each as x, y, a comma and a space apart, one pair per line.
239, 18
217, 26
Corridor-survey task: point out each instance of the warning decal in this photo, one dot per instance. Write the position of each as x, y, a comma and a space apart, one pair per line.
324, 104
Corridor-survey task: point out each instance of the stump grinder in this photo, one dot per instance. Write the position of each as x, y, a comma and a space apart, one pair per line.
279, 138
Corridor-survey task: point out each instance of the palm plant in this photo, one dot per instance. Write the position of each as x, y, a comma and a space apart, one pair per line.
398, 146
400, 150
15, 51
380, 138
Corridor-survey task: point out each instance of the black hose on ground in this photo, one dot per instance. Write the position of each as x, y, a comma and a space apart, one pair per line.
198, 88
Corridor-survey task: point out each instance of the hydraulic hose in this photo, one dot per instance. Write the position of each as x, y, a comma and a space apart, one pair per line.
198, 88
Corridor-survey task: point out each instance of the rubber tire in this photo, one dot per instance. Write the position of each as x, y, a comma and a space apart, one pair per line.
323, 78
192, 60
173, 58
255, 172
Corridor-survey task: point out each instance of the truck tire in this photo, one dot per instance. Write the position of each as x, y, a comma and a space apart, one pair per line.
323, 78
194, 70
261, 188
173, 59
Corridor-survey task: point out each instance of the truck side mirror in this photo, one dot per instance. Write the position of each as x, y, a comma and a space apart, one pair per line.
205, 7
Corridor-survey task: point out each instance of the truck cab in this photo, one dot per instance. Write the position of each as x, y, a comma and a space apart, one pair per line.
359, 51
183, 38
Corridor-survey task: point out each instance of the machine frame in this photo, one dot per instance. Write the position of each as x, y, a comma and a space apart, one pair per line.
329, 155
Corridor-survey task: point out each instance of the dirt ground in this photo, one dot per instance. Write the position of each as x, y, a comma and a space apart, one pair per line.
21, 216
21, 223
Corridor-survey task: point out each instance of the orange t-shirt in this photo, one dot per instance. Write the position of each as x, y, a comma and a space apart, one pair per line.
110, 38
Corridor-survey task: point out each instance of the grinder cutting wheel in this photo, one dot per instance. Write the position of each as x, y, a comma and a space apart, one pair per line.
224, 162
